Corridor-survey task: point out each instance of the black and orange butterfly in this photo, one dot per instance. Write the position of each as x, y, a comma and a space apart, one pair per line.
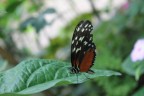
83, 50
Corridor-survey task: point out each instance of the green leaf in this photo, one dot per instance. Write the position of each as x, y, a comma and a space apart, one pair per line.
139, 69
3, 64
139, 92
128, 66
133, 68
12, 94
49, 11
36, 75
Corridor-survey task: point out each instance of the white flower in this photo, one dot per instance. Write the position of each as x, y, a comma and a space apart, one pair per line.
137, 53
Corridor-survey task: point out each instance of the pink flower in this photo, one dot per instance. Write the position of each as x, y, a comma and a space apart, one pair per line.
137, 53
125, 5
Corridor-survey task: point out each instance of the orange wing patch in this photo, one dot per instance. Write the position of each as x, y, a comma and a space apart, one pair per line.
87, 60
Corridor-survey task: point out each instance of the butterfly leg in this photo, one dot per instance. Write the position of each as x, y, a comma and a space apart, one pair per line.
90, 71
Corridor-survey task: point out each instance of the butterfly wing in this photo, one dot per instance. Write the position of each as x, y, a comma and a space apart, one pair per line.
88, 59
82, 47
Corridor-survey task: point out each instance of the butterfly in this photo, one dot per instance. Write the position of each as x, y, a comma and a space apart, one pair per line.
83, 49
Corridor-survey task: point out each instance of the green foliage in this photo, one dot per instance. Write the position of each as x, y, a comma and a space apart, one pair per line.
13, 11
108, 57
12, 94
38, 22
32, 76
56, 44
140, 92
114, 40
12, 5
118, 86
133, 68
3, 64
128, 66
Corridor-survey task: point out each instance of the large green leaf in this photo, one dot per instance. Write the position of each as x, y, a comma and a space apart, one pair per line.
3, 64
32, 76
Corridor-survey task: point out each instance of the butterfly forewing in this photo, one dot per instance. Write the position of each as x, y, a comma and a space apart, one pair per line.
82, 47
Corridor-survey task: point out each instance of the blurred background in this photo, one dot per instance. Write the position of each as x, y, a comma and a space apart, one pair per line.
44, 28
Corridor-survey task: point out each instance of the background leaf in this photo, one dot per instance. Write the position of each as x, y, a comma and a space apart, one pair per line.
12, 94
133, 68
139, 92
128, 66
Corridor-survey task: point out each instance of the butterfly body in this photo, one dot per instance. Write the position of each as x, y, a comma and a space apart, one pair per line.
83, 50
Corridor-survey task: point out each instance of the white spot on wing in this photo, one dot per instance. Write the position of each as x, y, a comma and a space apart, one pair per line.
81, 38
86, 25
85, 43
78, 29
76, 38
73, 50
82, 29
77, 43
78, 49
90, 25
80, 25
72, 41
